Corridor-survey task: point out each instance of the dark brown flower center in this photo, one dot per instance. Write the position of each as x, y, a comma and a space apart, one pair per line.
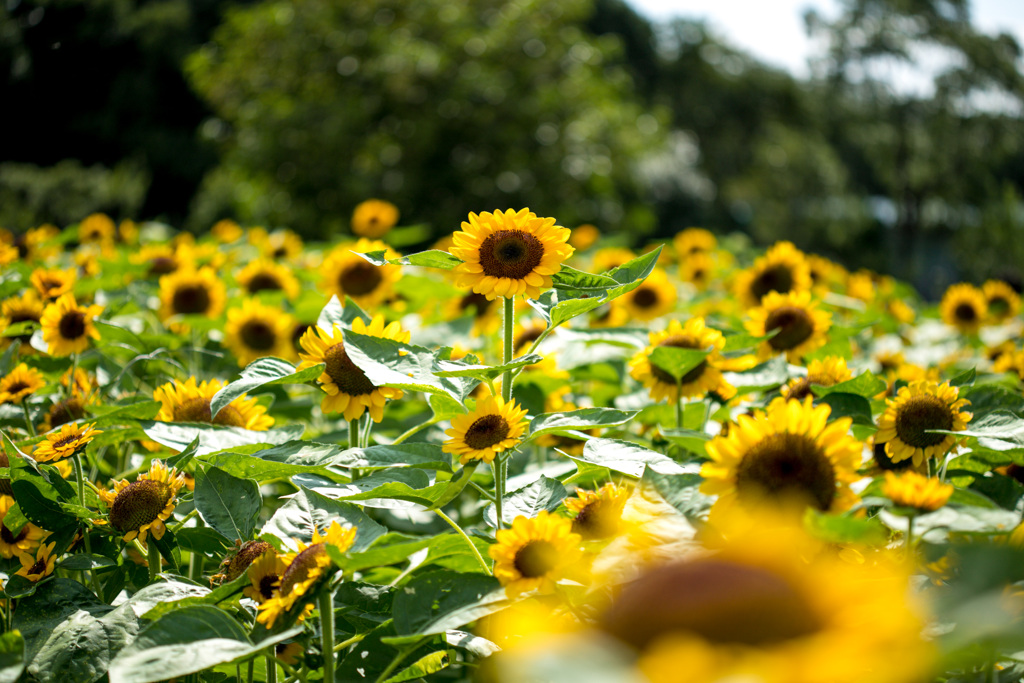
785, 466
38, 568
300, 568
50, 284
535, 559
487, 431
360, 278
64, 441
11, 539
258, 335
794, 324
191, 299
511, 254
197, 409
162, 265
264, 281
645, 297
72, 325
527, 336
138, 504
965, 313
778, 278
596, 521
919, 413
267, 585
884, 462
680, 342
246, 555
346, 374
16, 387
477, 302
717, 600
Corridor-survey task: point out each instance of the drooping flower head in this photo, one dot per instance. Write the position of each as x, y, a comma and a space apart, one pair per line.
493, 427
917, 408
68, 327
140, 508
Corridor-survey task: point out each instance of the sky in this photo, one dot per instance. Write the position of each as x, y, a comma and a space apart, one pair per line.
773, 30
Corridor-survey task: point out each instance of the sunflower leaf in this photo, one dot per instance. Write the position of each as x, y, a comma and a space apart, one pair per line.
559, 306
865, 384
483, 373
631, 274
228, 504
570, 278
213, 438
849, 405
543, 494
677, 361
343, 316
12, 656
629, 458
263, 372
586, 418
308, 511
767, 375
435, 602
391, 363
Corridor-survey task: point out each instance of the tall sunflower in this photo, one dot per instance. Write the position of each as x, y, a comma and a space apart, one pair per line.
264, 275
190, 402
349, 391
373, 218
963, 306
511, 253
801, 325
490, 429
656, 296
140, 508
19, 383
783, 269
1002, 301
190, 292
918, 407
534, 553
345, 273
697, 382
789, 455
257, 331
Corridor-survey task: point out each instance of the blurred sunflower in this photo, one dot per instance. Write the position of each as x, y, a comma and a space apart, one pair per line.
349, 391
345, 273
64, 411
511, 253
704, 378
188, 402
265, 576
596, 514
963, 307
25, 308
919, 407
159, 259
693, 241
1002, 302
25, 541
783, 269
789, 455
264, 275
698, 270
610, 315
801, 325
8, 254
280, 245
68, 327
486, 312
861, 285
535, 553
826, 275
20, 383
226, 231
611, 257
490, 429
913, 490
65, 443
51, 283
140, 508
373, 218
826, 372
655, 297
584, 236
96, 228
190, 292
257, 331
35, 568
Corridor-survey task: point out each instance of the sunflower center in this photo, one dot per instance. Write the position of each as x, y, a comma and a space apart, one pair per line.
594, 521
717, 600
965, 312
162, 265
510, 254
279, 252
301, 567
229, 416
258, 335
360, 278
778, 278
680, 342
196, 409
38, 568
264, 281
346, 374
920, 413
478, 302
645, 297
998, 306
527, 337
486, 431
65, 440
11, 539
267, 585
16, 386
138, 504
191, 299
535, 559
247, 554
72, 325
785, 466
884, 462
794, 325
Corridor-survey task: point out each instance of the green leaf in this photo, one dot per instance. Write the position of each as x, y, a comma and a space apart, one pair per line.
987, 398
744, 342
845, 530
632, 273
629, 458
543, 494
865, 384
963, 379
228, 504
434, 602
12, 656
570, 278
335, 314
390, 363
1000, 430
586, 418
397, 483
307, 511
84, 561
849, 405
423, 455
81, 648
38, 615
934, 526
433, 258
8, 356
767, 375
202, 540
263, 372
558, 306
213, 438
677, 361
266, 464
628, 337
681, 491
424, 666
448, 368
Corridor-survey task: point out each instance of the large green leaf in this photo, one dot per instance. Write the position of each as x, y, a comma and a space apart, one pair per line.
483, 372
374, 490
213, 438
543, 494
308, 511
632, 273
279, 462
1000, 430
81, 648
12, 656
849, 405
39, 615
38, 493
433, 258
570, 278
559, 306
438, 601
681, 491
259, 373
395, 364
629, 458
586, 418
865, 384
228, 504
767, 375
424, 455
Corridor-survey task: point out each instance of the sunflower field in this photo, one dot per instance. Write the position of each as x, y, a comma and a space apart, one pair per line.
527, 453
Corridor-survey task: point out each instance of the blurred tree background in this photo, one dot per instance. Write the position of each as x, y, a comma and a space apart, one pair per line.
289, 113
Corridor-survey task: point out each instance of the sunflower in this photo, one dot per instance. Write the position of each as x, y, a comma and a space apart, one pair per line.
596, 514
698, 270
96, 228
697, 382
304, 570
374, 218
913, 490
918, 407
190, 292
52, 283
655, 297
64, 411
265, 576
693, 241
68, 327
525, 335
789, 454
26, 308
584, 236
257, 331
349, 390
345, 273
265, 275
289, 653
486, 312
239, 561
19, 383
963, 307
535, 553
861, 285
826, 275
801, 325
611, 257
509, 254
70, 439
1011, 360
40, 566
8, 254
491, 428
188, 402
1003, 303
140, 508
610, 315
25, 541
159, 259
226, 231
280, 245
826, 372
783, 269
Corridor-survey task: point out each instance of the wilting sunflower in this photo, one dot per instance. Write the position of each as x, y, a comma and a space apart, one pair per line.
65, 443
96, 228
374, 218
19, 383
825, 372
68, 327
801, 325
25, 541
783, 269
963, 307
693, 241
918, 407
655, 297
25, 308
39, 566
345, 273
596, 514
913, 490
140, 508
188, 402
265, 576
584, 236
535, 553
349, 390
491, 428
789, 455
50, 284
257, 331
511, 253
190, 292
697, 382
304, 571
265, 275
1003, 303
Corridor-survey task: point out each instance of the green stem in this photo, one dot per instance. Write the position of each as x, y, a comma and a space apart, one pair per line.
195, 560
28, 420
353, 433
679, 409
327, 633
497, 467
467, 539
77, 460
252, 670
482, 491
70, 389
707, 415
271, 669
415, 430
910, 534
364, 437
154, 560
181, 525
10, 615
402, 654
352, 641
509, 320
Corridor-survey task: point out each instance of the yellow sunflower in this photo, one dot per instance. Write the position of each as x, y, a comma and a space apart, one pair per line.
783, 269
611, 257
188, 402
801, 325
52, 283
789, 455
265, 275
491, 428
190, 292
345, 273
265, 576
280, 245
1011, 360
257, 331
913, 490
97, 228
1002, 302
243, 556
511, 253
68, 327
25, 541
64, 411
25, 308
65, 443
140, 508
610, 315
693, 241
289, 653
374, 218
826, 275
19, 383
159, 259
826, 372
655, 297
348, 389
8, 254
226, 231
596, 514
584, 236
41, 565
698, 270
697, 382
963, 307
535, 553
918, 407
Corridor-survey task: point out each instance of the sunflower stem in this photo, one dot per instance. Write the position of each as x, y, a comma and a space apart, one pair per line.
402, 654
252, 670
415, 430
195, 560
28, 418
910, 534
679, 408
364, 437
271, 669
469, 541
69, 391
509, 320
353, 433
327, 633
499, 488
154, 560
77, 460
